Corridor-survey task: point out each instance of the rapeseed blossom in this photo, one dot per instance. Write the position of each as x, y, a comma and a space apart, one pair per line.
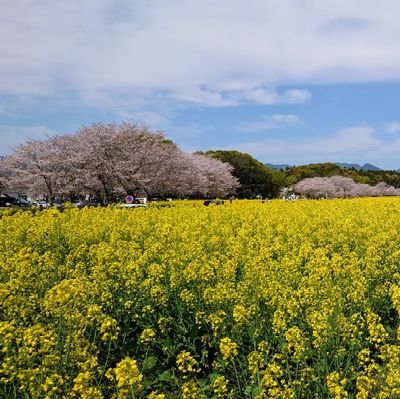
127, 376
220, 387
228, 348
274, 300
187, 364
147, 336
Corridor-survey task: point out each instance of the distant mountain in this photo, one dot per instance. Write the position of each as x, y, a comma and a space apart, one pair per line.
349, 165
277, 167
368, 166
365, 167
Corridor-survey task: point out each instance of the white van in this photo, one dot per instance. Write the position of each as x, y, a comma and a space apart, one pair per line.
136, 203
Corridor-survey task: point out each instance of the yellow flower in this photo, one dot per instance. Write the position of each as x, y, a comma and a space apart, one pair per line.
147, 336
254, 364
220, 387
217, 320
336, 385
296, 342
187, 364
228, 348
126, 374
155, 395
240, 314
186, 296
190, 390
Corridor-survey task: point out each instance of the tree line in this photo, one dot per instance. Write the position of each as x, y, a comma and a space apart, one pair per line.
371, 177
320, 180
109, 161
341, 187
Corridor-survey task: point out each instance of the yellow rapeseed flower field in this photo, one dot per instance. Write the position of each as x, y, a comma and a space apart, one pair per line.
246, 300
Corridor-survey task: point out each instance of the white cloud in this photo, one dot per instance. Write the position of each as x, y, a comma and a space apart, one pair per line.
233, 97
204, 97
287, 118
267, 122
393, 127
353, 144
296, 96
165, 122
177, 48
262, 96
152, 119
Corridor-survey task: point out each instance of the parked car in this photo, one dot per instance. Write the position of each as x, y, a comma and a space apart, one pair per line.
22, 202
136, 203
90, 203
6, 200
41, 204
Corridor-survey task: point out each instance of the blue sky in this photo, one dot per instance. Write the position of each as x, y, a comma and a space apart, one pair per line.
288, 81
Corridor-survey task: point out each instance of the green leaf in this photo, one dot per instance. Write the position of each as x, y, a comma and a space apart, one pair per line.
149, 363
166, 376
251, 390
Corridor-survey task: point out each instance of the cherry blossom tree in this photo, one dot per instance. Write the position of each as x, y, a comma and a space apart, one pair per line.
110, 160
145, 160
41, 168
128, 158
3, 175
341, 187
214, 178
